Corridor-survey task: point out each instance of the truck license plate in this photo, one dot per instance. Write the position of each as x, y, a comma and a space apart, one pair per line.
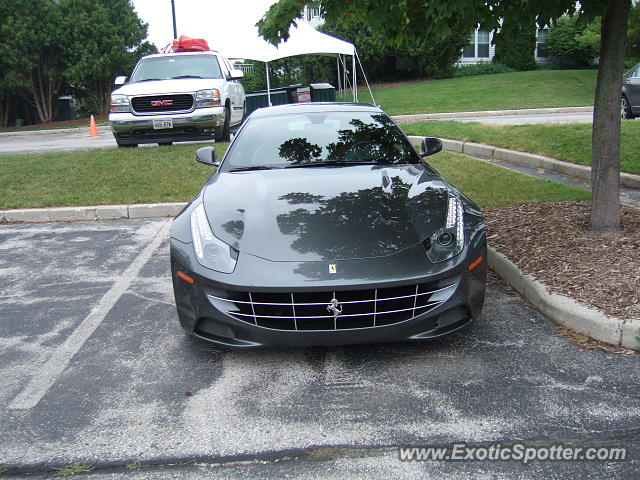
162, 124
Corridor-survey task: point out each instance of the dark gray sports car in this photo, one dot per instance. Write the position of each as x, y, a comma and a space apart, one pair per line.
322, 225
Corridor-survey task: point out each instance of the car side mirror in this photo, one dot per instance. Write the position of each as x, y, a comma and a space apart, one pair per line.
236, 74
120, 80
207, 155
430, 145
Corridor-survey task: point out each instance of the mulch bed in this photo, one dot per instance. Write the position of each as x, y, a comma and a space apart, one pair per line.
550, 242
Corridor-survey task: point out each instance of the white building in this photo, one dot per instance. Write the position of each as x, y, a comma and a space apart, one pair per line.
479, 49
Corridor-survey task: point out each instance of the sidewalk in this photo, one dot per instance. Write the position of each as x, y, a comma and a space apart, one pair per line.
416, 117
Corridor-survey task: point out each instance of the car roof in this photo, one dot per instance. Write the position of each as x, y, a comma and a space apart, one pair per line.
168, 54
313, 107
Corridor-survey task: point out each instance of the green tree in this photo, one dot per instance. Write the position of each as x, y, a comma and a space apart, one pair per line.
104, 38
516, 43
53, 47
633, 33
411, 57
10, 84
34, 45
438, 18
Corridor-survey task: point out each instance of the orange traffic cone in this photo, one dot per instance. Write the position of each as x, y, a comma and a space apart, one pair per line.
93, 130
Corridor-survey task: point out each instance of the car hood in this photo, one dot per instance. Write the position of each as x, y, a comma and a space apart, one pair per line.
179, 85
313, 214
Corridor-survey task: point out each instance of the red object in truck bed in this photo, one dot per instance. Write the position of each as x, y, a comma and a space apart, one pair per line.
188, 44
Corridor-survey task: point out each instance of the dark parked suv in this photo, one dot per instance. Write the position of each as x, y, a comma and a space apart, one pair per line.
630, 107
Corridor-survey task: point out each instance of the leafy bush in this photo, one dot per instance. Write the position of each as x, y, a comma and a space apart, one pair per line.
516, 43
573, 44
482, 68
630, 63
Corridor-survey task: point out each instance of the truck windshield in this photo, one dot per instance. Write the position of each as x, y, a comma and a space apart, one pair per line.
176, 66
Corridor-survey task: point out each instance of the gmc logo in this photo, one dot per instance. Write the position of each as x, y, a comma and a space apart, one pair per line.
161, 103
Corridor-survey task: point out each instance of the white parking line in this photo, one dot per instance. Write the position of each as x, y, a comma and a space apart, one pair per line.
41, 382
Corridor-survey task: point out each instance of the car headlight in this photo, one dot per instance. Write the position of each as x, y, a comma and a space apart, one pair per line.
211, 252
448, 241
207, 98
120, 103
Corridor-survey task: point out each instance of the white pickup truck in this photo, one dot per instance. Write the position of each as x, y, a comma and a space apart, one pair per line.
174, 97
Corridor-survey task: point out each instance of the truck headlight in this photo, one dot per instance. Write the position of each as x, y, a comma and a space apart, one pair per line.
448, 241
120, 103
211, 252
208, 98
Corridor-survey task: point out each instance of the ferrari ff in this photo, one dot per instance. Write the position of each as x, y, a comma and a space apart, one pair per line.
322, 225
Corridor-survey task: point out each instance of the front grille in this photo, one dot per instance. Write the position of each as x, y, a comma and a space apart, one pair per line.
311, 310
157, 103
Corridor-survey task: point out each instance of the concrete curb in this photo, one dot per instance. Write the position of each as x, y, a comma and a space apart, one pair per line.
627, 180
99, 212
564, 310
416, 117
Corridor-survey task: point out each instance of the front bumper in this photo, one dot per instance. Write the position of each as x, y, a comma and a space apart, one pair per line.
200, 124
202, 318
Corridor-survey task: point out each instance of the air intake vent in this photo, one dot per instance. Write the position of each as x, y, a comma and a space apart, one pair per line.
331, 310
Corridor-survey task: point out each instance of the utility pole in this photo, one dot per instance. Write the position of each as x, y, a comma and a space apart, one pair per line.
173, 13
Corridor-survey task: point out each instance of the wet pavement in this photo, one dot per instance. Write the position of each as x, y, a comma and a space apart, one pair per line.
95, 369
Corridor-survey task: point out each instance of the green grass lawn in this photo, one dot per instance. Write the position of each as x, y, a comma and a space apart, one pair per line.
570, 142
170, 174
493, 186
535, 89
102, 176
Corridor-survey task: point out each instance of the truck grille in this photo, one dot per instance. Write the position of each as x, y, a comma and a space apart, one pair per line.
311, 310
162, 103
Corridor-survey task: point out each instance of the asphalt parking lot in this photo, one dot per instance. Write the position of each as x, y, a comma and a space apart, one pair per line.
95, 369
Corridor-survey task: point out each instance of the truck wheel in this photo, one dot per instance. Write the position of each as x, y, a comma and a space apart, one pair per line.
127, 145
165, 144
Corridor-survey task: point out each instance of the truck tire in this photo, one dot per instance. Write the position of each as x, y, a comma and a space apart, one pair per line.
223, 134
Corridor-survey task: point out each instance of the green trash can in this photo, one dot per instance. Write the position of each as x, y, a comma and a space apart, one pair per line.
259, 99
322, 92
255, 100
280, 96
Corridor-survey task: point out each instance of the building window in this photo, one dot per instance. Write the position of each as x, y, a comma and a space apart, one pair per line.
469, 50
483, 44
541, 52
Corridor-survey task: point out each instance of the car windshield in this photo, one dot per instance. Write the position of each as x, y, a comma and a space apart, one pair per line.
177, 66
319, 138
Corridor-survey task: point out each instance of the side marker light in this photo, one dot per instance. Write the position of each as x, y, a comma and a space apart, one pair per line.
475, 263
185, 277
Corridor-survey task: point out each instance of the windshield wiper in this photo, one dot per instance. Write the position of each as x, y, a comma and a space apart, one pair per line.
332, 163
253, 167
149, 80
187, 76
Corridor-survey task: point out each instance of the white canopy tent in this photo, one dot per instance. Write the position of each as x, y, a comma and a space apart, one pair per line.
230, 29
303, 40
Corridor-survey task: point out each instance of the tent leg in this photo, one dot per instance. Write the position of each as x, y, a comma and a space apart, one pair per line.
339, 79
268, 85
344, 77
355, 87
